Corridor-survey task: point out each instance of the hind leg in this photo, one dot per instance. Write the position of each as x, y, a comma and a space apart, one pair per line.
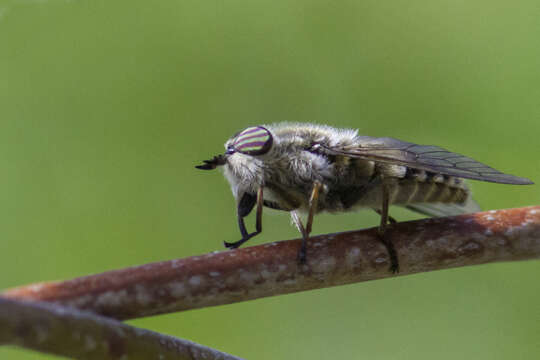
383, 236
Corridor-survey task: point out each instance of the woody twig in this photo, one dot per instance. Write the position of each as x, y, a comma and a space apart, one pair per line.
81, 335
272, 269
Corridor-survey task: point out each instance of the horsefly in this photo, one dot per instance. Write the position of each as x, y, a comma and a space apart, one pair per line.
308, 169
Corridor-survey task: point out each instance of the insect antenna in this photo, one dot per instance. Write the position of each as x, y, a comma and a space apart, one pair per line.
212, 163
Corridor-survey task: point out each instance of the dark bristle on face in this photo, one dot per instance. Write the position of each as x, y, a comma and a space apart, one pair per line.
212, 163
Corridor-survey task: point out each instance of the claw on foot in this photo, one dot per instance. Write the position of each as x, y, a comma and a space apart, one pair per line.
233, 245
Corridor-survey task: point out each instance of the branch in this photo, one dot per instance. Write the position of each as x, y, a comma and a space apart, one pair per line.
272, 269
69, 332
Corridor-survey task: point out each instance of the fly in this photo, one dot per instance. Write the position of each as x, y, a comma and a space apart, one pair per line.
308, 169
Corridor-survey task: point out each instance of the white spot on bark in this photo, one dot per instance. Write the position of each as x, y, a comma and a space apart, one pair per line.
266, 274
353, 256
489, 218
35, 287
290, 282
141, 295
195, 280
247, 276
214, 273
471, 245
326, 265
60, 310
442, 241
509, 232
80, 301
476, 236
113, 298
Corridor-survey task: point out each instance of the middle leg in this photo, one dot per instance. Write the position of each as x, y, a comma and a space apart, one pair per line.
313, 200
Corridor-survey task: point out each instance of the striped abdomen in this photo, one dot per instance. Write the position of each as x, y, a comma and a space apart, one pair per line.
419, 186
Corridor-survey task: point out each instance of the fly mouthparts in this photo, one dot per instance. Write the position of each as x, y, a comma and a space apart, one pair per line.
212, 163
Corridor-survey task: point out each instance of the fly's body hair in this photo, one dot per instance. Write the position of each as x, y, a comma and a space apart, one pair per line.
294, 163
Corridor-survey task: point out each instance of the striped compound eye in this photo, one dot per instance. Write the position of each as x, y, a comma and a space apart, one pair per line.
253, 141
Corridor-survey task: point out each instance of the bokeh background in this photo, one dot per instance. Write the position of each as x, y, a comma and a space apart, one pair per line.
106, 106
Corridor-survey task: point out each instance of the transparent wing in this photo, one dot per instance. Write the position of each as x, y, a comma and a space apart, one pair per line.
423, 157
445, 209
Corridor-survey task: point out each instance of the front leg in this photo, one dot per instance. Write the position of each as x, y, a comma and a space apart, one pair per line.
245, 205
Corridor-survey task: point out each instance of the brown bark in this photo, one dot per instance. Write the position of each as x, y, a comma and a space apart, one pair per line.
272, 269
81, 335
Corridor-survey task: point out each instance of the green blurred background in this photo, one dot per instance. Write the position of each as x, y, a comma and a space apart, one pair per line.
106, 106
